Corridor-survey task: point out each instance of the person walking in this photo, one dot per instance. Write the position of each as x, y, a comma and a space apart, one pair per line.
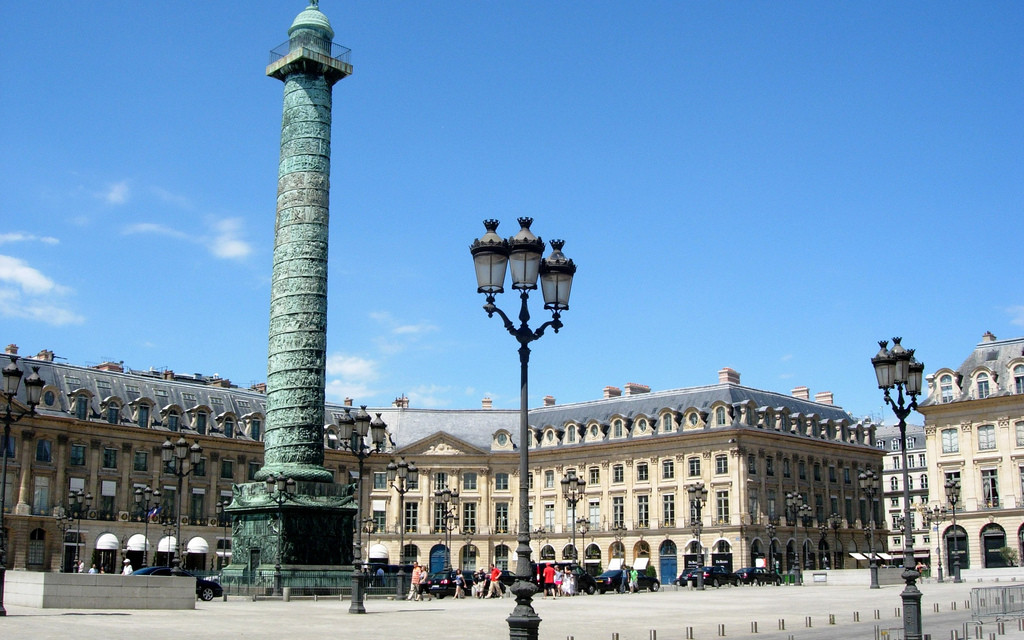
460, 584
424, 593
549, 580
623, 579
127, 570
494, 590
559, 577
414, 585
634, 581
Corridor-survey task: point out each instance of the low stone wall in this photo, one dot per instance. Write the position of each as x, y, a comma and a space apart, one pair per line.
98, 591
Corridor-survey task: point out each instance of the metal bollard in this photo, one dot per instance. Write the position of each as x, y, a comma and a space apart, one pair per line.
831, 618
935, 607
615, 636
807, 622
952, 606
721, 631
782, 624
753, 627
689, 633
878, 614
856, 616
896, 612
653, 635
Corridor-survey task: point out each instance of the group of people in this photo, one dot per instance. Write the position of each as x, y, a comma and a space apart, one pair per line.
419, 587
126, 569
630, 581
557, 581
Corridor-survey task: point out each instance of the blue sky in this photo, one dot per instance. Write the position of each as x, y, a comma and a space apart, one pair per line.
771, 187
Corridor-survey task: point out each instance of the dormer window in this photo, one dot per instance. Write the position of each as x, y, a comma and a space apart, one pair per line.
982, 384
113, 413
1018, 378
641, 425
82, 407
946, 388
255, 428
229, 428
666, 422
142, 416
201, 417
617, 429
720, 416
173, 421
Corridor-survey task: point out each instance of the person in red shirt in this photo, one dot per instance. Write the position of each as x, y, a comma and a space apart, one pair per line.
494, 591
549, 580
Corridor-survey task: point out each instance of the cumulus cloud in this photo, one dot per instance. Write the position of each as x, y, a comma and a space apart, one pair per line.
1016, 315
25, 292
172, 198
430, 396
153, 228
226, 241
350, 376
18, 236
117, 193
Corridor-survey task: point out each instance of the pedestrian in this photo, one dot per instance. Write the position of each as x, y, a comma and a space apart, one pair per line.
623, 579
494, 590
460, 584
424, 593
127, 570
92, 569
549, 580
559, 577
414, 585
634, 580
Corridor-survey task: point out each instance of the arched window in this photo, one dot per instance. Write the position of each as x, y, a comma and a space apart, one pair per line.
946, 388
547, 552
501, 556
924, 480
894, 484
82, 406
982, 384
617, 429
1018, 378
720, 416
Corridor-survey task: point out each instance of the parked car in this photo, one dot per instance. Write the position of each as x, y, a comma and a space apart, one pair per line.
610, 580
206, 589
585, 583
758, 575
442, 583
715, 576
688, 576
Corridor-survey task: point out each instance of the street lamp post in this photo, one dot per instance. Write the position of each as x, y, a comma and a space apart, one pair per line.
280, 490
12, 375
953, 495
175, 455
402, 476
836, 521
224, 518
64, 523
796, 508
361, 426
521, 254
143, 497
868, 480
583, 525
823, 533
769, 530
572, 491
448, 499
81, 502
698, 494
938, 516
897, 368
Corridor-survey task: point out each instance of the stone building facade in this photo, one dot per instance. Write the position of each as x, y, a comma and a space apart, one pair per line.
974, 431
100, 430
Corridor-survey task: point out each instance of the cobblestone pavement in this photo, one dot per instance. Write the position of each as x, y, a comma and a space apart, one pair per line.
671, 614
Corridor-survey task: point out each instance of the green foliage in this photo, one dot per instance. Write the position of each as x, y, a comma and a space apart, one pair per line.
1009, 555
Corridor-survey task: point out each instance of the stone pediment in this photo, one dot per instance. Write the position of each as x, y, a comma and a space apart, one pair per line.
441, 444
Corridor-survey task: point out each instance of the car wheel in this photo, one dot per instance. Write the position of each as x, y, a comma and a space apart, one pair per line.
655, 586
440, 596
206, 594
714, 582
591, 590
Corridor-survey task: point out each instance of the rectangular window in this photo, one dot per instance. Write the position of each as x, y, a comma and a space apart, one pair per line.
751, 464
501, 517
196, 511
110, 458
668, 469
43, 451
668, 510
81, 407
950, 443
468, 517
380, 480
769, 466
986, 438
469, 481
721, 464
549, 517
142, 415
253, 468
618, 474
140, 461
920, 460
501, 482
441, 481
618, 511
848, 504
380, 520
594, 513
643, 512
831, 474
41, 496
990, 487
693, 466
817, 472
846, 478
412, 516
641, 472
786, 470
227, 469
771, 503
752, 505
722, 507
595, 476
440, 515
200, 469
801, 468
549, 479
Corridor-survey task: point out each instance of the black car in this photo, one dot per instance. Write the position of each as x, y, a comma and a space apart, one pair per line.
585, 583
442, 583
714, 576
206, 590
611, 579
688, 576
758, 575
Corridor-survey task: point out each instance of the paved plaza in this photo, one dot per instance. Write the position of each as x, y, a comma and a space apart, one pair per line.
632, 616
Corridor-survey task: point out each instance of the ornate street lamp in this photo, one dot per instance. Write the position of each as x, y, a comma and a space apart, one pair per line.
521, 254
175, 456
225, 520
936, 516
33, 392
797, 509
897, 368
79, 502
572, 491
836, 521
402, 476
142, 501
280, 490
448, 499
868, 480
698, 494
769, 530
357, 445
64, 523
953, 496
583, 526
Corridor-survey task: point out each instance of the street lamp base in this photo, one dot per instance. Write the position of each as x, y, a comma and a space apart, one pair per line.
524, 623
356, 605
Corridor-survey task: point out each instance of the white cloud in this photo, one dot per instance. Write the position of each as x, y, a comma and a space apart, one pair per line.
339, 390
26, 237
117, 193
152, 227
430, 396
1017, 315
27, 293
414, 329
226, 242
172, 198
345, 366
786, 358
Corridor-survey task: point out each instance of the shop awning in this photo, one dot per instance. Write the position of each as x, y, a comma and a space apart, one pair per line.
640, 564
167, 544
107, 542
858, 556
614, 563
378, 552
197, 545
137, 543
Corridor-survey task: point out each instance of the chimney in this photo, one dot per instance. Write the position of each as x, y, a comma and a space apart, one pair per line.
486, 403
220, 382
110, 366
801, 392
728, 376
169, 375
635, 388
988, 337
11, 350
259, 387
401, 402
612, 392
549, 401
823, 397
347, 402
45, 355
